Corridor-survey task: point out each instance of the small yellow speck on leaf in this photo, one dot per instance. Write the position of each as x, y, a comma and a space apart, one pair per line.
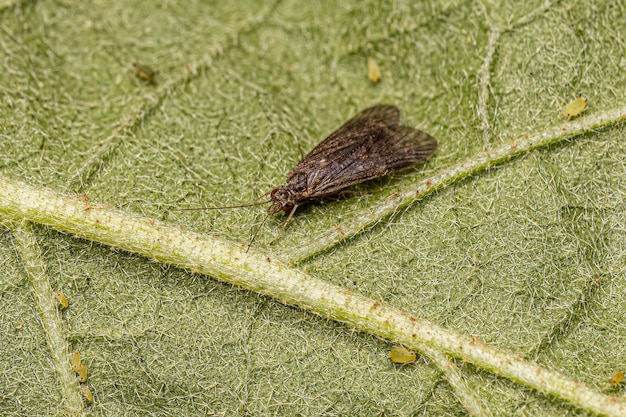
145, 73
62, 300
82, 372
373, 70
75, 361
86, 393
399, 354
575, 107
617, 378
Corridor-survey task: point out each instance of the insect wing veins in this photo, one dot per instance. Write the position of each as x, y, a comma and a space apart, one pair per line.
368, 146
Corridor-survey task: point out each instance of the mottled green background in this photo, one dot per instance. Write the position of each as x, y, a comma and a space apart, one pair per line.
530, 256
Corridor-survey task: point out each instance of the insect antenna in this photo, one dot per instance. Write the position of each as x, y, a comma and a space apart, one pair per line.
257, 231
221, 207
254, 202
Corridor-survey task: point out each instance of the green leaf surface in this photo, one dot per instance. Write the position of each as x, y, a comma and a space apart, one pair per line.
512, 234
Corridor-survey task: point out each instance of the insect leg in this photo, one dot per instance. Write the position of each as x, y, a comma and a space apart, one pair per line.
282, 229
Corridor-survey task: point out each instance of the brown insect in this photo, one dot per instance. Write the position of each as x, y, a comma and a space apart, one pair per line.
370, 145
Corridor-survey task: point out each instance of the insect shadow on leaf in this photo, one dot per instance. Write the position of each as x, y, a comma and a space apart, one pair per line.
370, 145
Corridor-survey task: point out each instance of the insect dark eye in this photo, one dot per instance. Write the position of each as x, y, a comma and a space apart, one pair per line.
273, 192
